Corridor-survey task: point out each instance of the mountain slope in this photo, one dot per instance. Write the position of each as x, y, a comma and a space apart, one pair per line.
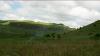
26, 29
87, 32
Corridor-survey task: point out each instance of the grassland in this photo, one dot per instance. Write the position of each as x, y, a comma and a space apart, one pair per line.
50, 48
32, 39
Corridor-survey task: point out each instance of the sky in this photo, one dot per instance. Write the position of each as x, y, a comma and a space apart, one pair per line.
74, 14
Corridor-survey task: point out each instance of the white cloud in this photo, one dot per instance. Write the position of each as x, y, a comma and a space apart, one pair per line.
84, 12
90, 4
4, 7
70, 13
79, 11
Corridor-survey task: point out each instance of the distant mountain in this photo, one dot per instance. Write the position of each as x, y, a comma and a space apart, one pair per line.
91, 31
26, 29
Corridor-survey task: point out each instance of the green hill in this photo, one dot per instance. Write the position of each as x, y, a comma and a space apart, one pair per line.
39, 30
27, 29
91, 31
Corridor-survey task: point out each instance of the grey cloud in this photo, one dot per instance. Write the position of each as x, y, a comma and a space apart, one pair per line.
90, 4
54, 11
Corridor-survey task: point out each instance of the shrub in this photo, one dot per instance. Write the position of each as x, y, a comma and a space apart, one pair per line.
96, 36
54, 35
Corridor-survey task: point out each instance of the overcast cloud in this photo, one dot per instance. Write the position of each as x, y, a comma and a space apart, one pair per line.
70, 13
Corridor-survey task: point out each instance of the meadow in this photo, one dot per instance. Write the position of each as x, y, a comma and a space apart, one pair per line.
49, 48
32, 39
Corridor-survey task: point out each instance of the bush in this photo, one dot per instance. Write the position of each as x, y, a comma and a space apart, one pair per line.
53, 36
96, 36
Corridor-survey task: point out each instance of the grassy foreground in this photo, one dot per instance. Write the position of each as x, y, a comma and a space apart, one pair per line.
49, 48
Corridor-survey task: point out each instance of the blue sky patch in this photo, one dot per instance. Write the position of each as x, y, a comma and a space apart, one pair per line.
15, 5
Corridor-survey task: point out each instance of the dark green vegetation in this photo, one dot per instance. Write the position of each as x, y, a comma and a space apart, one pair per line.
91, 31
28, 38
28, 29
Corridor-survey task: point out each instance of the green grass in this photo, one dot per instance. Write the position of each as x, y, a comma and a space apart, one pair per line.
20, 39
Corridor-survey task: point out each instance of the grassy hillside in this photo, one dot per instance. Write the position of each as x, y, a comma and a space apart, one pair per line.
29, 29
91, 31
28, 38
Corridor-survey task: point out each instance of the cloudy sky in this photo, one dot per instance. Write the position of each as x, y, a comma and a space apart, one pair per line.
70, 13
